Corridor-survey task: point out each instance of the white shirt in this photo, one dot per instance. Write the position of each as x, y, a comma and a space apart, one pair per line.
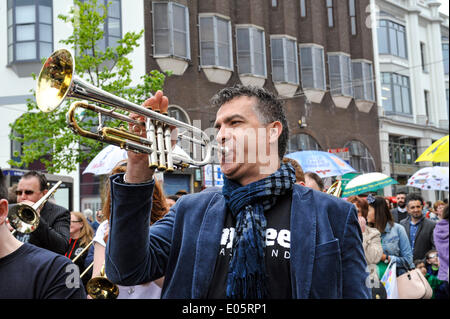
149, 290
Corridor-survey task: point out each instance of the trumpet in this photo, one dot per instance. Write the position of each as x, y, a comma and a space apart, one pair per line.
25, 218
58, 82
335, 189
101, 287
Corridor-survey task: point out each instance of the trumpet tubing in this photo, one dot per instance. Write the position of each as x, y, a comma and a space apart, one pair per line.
25, 218
57, 83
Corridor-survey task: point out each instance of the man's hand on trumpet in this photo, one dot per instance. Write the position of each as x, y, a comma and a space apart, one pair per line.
138, 170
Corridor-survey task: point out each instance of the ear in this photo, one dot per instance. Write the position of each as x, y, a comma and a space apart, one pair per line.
3, 210
275, 130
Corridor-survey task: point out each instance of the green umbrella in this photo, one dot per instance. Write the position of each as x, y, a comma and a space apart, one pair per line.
369, 182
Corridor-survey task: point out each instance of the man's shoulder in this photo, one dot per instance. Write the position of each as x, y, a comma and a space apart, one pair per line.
41, 257
55, 208
429, 223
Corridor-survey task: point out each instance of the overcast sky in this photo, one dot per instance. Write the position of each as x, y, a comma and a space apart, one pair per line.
444, 6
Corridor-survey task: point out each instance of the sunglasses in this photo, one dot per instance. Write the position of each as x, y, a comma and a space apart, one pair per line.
76, 221
432, 256
27, 192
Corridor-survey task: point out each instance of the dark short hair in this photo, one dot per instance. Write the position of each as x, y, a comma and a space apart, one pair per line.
269, 108
3, 188
419, 261
181, 192
413, 197
400, 193
173, 197
316, 178
43, 183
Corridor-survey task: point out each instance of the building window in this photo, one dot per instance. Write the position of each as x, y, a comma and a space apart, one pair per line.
170, 30
274, 3
360, 158
445, 56
402, 150
112, 27
303, 8
30, 30
363, 81
392, 39
352, 13
423, 57
312, 67
340, 72
396, 93
302, 142
251, 51
284, 60
215, 42
426, 95
330, 13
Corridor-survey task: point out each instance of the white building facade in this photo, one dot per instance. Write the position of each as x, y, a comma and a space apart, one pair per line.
31, 30
410, 39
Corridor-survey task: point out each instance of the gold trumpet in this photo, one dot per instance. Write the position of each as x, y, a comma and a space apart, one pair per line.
101, 287
25, 218
335, 189
58, 82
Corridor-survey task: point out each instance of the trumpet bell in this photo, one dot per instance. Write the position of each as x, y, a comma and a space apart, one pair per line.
102, 288
23, 218
55, 80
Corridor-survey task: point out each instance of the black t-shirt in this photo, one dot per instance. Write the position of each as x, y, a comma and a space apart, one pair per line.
31, 272
277, 253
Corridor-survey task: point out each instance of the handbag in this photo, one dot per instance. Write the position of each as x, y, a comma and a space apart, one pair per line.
413, 285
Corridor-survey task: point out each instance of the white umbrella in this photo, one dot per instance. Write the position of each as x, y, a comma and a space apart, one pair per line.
111, 155
369, 182
106, 160
430, 178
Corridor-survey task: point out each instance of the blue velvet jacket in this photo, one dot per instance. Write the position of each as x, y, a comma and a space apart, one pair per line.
326, 254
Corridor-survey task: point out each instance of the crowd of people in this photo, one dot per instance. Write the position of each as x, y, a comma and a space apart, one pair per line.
275, 234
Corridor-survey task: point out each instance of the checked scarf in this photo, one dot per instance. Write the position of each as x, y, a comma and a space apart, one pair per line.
246, 272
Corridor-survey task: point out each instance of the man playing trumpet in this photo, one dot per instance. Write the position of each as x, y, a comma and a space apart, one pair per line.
261, 236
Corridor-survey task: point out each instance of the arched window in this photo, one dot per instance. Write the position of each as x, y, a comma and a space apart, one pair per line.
360, 158
302, 142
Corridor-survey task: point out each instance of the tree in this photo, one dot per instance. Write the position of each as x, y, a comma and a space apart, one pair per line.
46, 136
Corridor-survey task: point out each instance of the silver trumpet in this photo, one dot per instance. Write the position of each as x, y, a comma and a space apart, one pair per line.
58, 82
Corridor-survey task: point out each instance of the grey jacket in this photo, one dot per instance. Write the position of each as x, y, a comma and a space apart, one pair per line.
424, 237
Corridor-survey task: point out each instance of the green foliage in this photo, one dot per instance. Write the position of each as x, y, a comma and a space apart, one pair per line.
46, 136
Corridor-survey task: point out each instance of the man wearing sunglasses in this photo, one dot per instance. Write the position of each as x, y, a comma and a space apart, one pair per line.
54, 225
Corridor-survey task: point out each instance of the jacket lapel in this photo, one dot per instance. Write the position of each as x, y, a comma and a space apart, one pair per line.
208, 245
303, 241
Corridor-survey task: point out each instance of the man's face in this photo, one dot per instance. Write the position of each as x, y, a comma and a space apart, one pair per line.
401, 200
29, 189
414, 209
251, 145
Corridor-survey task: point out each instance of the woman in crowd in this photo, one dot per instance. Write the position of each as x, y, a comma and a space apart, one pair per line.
81, 234
371, 241
441, 241
150, 290
438, 209
394, 240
